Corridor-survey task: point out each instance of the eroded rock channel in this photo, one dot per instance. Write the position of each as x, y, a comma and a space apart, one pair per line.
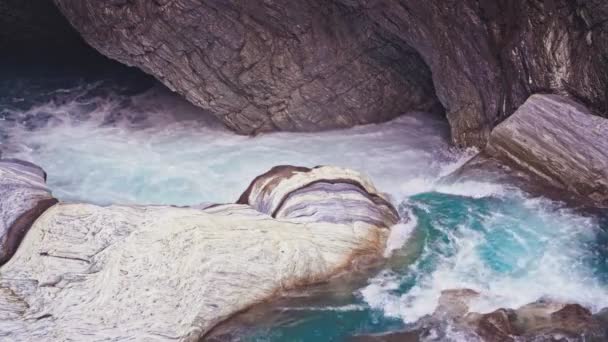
130, 210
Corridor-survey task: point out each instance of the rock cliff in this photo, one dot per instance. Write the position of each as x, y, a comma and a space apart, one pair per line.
261, 66
279, 65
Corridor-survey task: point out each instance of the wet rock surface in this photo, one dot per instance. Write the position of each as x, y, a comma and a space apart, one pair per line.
23, 197
540, 321
163, 273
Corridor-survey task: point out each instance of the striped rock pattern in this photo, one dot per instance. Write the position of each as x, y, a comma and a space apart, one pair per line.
156, 273
23, 197
320, 194
559, 141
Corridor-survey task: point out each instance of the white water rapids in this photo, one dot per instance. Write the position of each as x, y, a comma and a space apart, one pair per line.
157, 149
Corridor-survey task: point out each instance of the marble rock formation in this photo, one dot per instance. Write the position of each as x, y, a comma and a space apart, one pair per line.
488, 56
86, 272
262, 66
309, 65
342, 195
559, 141
23, 197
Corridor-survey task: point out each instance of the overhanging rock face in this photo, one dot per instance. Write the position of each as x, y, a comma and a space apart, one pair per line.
262, 66
558, 140
488, 56
314, 64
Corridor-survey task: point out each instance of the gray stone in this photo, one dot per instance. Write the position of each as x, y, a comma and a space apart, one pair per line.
559, 141
23, 197
488, 56
309, 65
262, 66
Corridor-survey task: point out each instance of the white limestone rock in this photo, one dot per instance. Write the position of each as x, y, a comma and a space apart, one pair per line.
155, 273
23, 197
323, 193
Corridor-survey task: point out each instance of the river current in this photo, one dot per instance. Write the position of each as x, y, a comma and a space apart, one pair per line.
112, 139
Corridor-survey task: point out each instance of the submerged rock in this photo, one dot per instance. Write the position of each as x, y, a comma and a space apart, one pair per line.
23, 197
163, 273
540, 321
560, 142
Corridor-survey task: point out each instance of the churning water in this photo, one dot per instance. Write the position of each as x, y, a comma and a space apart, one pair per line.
103, 142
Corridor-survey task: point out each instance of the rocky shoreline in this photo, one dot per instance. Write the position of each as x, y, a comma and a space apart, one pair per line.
551, 146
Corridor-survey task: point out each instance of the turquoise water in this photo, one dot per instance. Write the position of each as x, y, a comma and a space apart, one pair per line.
512, 249
112, 140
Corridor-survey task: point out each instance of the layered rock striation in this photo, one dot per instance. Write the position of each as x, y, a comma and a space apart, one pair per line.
23, 197
164, 273
262, 66
487, 57
314, 65
560, 142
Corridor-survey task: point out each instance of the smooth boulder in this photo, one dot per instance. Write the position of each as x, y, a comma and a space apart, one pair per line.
560, 142
86, 272
320, 194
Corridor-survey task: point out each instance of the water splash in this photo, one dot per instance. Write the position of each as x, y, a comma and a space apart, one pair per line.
512, 249
106, 145
156, 148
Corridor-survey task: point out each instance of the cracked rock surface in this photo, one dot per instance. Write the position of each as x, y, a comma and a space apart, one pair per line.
559, 141
488, 56
311, 65
263, 65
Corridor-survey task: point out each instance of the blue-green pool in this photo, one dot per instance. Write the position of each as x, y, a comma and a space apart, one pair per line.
511, 248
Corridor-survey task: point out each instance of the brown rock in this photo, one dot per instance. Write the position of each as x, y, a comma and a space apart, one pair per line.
494, 326
489, 56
